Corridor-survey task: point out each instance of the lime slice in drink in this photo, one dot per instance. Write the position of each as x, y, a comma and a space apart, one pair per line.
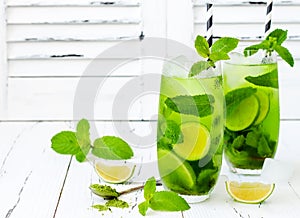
196, 141
249, 192
264, 106
243, 115
175, 171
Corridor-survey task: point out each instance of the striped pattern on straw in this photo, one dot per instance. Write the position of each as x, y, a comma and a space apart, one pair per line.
268, 21
209, 23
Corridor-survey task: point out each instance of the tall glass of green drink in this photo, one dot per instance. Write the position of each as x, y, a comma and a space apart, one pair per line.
252, 111
190, 132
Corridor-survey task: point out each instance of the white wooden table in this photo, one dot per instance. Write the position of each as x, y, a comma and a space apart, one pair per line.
37, 182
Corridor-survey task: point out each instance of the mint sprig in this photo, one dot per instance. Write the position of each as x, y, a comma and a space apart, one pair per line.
79, 144
218, 51
273, 42
161, 200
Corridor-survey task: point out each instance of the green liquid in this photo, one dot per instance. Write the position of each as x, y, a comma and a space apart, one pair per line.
196, 173
247, 147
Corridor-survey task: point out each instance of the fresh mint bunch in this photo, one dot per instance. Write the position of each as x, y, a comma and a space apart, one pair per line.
79, 144
161, 200
218, 51
273, 42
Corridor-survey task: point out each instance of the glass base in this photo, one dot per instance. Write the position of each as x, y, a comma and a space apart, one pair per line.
192, 199
250, 172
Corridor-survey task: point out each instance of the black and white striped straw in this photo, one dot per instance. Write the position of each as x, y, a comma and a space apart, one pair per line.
209, 23
268, 21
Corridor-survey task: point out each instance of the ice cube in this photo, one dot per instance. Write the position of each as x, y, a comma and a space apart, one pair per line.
178, 67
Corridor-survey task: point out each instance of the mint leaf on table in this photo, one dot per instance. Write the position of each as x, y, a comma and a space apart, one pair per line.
234, 97
273, 42
168, 201
197, 105
149, 188
65, 142
83, 138
112, 148
268, 79
219, 51
162, 200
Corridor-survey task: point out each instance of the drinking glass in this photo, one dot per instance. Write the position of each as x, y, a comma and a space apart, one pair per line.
190, 132
252, 111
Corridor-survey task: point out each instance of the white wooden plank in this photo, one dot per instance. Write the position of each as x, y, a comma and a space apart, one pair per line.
45, 14
242, 30
32, 173
248, 14
230, 3
66, 68
92, 31
84, 49
3, 62
54, 98
80, 3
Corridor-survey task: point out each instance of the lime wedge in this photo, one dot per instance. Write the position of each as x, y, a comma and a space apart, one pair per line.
249, 192
264, 106
174, 170
243, 115
196, 141
114, 174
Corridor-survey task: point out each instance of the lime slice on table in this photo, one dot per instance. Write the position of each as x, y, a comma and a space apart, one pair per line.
243, 115
264, 106
249, 192
175, 171
196, 141
114, 174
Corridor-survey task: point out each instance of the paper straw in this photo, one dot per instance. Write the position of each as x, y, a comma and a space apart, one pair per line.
209, 22
268, 17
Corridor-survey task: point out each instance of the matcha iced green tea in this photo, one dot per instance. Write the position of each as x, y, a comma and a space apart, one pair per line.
252, 113
190, 133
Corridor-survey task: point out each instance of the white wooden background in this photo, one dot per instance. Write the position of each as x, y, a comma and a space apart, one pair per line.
45, 45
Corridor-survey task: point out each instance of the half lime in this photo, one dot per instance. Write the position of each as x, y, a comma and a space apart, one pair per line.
243, 115
264, 106
196, 141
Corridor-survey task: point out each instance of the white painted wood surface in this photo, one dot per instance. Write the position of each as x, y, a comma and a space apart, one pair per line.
37, 182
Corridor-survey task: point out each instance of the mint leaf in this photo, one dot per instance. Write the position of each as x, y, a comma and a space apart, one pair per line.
117, 203
112, 148
217, 56
143, 207
251, 50
224, 45
268, 79
202, 46
238, 142
65, 142
197, 105
279, 34
83, 138
198, 67
149, 188
207, 178
234, 97
252, 139
168, 201
263, 148
285, 54
173, 132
